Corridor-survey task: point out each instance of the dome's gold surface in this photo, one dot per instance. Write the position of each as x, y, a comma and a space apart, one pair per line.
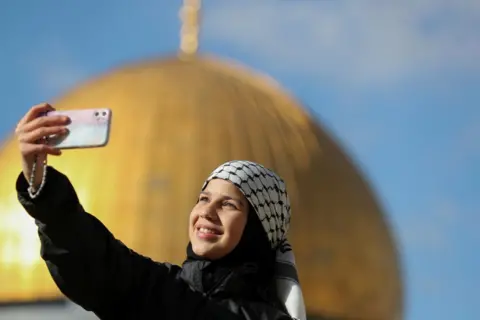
174, 121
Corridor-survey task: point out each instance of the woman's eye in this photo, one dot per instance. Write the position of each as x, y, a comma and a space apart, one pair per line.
229, 204
203, 199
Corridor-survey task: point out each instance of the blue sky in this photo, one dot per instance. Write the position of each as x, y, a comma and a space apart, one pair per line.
397, 82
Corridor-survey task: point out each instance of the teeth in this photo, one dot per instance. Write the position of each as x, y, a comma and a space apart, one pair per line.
205, 230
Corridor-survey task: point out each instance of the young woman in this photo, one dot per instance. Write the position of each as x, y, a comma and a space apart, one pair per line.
239, 264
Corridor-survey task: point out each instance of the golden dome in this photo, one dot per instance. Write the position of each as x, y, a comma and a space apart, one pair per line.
173, 122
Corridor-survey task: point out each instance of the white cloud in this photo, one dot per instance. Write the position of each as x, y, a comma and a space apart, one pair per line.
352, 42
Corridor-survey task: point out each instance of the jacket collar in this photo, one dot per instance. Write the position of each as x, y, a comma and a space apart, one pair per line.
217, 281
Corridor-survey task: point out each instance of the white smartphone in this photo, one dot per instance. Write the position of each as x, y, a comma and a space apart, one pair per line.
88, 128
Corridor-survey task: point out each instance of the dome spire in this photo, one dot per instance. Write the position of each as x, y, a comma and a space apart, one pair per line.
190, 18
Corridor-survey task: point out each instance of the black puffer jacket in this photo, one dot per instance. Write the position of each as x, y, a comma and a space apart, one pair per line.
102, 275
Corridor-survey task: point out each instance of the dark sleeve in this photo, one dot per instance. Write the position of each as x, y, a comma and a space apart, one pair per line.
101, 274
87, 263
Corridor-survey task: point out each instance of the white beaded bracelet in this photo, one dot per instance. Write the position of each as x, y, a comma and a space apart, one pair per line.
31, 190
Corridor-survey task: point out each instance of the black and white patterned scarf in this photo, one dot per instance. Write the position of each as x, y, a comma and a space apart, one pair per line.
267, 194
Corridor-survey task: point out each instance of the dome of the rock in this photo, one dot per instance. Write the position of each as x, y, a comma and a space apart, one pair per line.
173, 122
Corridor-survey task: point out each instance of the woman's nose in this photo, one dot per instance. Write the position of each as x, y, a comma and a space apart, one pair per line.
209, 214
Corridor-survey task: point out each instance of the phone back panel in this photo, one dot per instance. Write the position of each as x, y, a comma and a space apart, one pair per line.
89, 128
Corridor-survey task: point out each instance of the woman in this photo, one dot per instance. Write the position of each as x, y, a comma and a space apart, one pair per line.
238, 266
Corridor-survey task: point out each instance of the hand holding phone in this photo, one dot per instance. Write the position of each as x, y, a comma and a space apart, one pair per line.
30, 133
64, 130
88, 128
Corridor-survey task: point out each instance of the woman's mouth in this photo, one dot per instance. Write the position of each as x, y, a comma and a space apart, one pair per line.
205, 230
206, 233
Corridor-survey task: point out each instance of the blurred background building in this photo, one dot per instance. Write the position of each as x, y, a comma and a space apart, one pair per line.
175, 119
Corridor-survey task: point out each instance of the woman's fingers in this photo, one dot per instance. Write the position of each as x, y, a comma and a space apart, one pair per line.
43, 122
34, 113
29, 149
39, 133
34, 119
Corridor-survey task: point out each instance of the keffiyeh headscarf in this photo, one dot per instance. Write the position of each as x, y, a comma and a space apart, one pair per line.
267, 194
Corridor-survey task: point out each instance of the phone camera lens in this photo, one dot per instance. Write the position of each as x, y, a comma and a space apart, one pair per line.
96, 114
104, 113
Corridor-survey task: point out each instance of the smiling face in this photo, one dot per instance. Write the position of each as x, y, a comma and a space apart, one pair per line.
218, 219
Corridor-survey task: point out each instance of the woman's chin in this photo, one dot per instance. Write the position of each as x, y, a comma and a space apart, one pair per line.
207, 251
202, 250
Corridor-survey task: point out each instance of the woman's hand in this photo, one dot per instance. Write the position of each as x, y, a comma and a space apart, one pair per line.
31, 132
